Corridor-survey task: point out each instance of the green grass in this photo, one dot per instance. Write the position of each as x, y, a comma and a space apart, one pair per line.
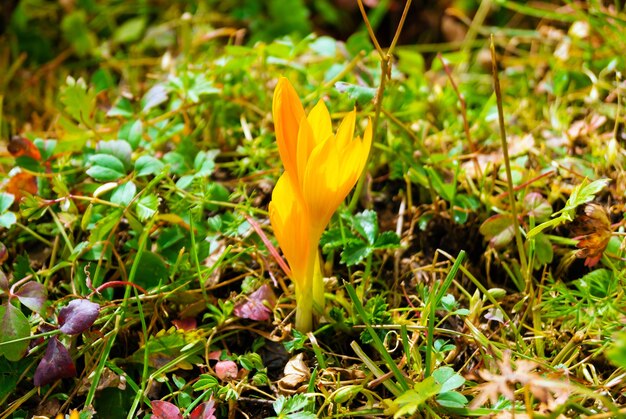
143, 159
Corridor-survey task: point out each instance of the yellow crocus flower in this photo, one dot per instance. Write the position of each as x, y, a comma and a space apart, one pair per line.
321, 167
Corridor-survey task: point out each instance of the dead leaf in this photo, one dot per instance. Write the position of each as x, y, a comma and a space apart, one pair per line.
20, 183
108, 379
20, 147
296, 375
593, 232
187, 323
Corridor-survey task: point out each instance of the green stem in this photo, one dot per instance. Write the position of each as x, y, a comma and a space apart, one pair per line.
507, 162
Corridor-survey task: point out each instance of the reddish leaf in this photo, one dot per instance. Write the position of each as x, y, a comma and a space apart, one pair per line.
537, 206
165, 410
20, 146
78, 316
204, 411
55, 364
21, 183
499, 230
188, 323
226, 370
258, 305
33, 295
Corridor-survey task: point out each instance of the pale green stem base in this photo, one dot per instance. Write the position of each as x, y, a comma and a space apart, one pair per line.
309, 292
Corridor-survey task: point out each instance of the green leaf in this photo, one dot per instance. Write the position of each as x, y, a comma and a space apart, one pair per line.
146, 207
46, 147
366, 224
135, 133
204, 163
617, 351
106, 168
154, 97
103, 226
13, 325
387, 240
79, 101
117, 148
413, 398
148, 165
452, 399
333, 239
7, 219
130, 31
543, 250
583, 193
151, 271
361, 94
76, 32
354, 252
124, 193
122, 107
448, 379
6, 200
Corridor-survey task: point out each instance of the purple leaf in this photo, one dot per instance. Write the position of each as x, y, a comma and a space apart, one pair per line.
55, 364
78, 316
257, 305
33, 295
165, 410
204, 411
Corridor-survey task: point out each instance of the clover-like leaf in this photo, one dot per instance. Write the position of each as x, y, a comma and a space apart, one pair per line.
537, 206
55, 364
205, 410
498, 229
165, 410
13, 325
78, 316
33, 295
448, 379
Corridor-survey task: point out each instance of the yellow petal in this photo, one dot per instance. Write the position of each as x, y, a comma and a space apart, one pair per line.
291, 225
288, 112
319, 120
306, 144
345, 133
321, 180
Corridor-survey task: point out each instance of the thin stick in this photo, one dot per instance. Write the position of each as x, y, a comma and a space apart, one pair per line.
507, 163
385, 67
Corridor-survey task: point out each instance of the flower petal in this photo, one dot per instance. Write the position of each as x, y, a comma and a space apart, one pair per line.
288, 112
345, 133
319, 120
322, 179
291, 225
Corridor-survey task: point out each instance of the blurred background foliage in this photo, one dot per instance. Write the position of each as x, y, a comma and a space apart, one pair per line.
41, 39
